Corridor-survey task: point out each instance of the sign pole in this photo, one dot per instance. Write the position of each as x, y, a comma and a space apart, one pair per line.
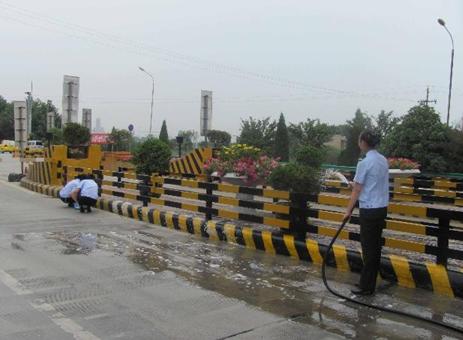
21, 143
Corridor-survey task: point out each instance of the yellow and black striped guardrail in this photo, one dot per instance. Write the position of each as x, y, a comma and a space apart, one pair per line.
39, 172
291, 216
394, 268
422, 181
432, 183
405, 193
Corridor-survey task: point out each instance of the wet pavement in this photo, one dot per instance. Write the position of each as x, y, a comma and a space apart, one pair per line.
66, 275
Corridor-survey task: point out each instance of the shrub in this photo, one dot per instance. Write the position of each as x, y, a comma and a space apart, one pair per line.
310, 156
295, 177
75, 134
152, 155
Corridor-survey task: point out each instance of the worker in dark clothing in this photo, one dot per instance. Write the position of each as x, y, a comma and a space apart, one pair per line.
371, 189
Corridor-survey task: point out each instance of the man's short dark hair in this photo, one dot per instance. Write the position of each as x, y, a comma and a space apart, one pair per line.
370, 137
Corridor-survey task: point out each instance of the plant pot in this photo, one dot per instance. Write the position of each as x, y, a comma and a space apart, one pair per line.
232, 178
395, 173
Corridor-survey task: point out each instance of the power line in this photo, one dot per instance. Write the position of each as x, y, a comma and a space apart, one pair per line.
167, 55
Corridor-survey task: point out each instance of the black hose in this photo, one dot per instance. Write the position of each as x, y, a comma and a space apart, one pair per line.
384, 309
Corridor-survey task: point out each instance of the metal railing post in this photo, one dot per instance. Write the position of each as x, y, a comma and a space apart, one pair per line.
443, 241
119, 177
209, 193
298, 215
144, 190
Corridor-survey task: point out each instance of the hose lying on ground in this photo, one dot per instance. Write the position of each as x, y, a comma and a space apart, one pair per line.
384, 309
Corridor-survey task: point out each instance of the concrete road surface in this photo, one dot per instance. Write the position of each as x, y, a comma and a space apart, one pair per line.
66, 275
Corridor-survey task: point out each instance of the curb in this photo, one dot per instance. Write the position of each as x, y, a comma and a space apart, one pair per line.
429, 276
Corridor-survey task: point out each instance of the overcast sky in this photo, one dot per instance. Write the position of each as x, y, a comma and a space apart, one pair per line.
317, 59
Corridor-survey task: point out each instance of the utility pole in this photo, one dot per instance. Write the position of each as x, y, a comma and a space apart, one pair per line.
29, 102
426, 101
69, 108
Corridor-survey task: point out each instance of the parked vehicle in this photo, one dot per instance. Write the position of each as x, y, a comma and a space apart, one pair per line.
34, 148
8, 146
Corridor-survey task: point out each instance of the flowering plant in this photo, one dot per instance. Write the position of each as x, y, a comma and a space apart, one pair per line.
402, 164
265, 165
215, 165
244, 161
239, 151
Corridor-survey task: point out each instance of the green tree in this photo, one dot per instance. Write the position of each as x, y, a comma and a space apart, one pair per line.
151, 155
281, 146
218, 138
258, 132
420, 136
121, 139
163, 135
385, 123
75, 134
40, 110
311, 132
454, 151
6, 120
353, 129
57, 136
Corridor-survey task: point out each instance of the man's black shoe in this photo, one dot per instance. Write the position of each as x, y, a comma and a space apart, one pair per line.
362, 292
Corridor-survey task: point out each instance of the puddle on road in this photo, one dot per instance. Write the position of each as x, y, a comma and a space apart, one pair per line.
279, 285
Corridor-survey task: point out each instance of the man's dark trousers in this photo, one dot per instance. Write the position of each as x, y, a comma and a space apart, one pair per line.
372, 222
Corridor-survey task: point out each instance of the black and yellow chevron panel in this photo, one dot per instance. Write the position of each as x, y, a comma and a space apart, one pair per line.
393, 268
191, 163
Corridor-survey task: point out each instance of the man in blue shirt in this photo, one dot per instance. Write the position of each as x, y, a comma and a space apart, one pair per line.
371, 189
65, 192
86, 193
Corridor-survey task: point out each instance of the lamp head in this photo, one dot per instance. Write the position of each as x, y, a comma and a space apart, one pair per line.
141, 68
441, 21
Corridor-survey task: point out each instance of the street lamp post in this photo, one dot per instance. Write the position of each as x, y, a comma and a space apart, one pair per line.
179, 142
152, 97
442, 23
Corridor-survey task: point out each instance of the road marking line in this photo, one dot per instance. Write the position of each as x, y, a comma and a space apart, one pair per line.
58, 318
13, 284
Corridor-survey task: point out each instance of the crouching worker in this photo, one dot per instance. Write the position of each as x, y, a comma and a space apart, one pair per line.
86, 194
65, 192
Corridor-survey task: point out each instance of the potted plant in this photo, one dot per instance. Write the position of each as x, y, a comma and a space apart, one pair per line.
402, 167
241, 164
